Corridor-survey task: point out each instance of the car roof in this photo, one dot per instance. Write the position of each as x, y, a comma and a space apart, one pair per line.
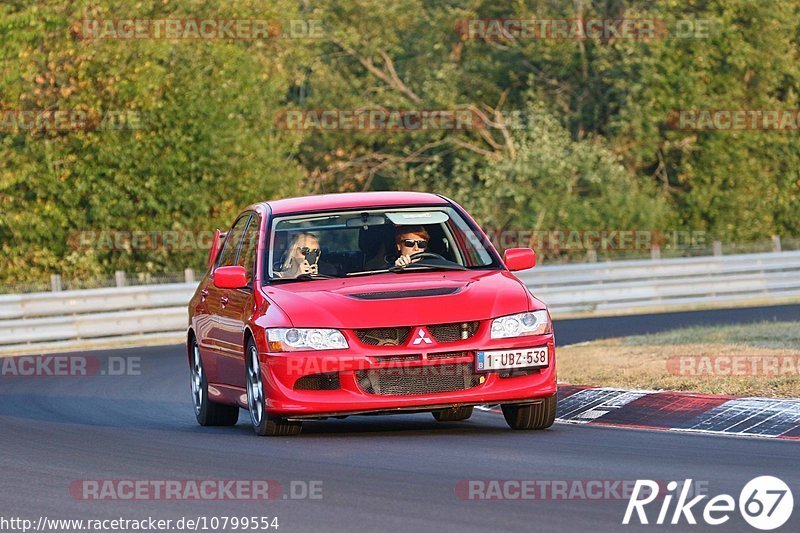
353, 200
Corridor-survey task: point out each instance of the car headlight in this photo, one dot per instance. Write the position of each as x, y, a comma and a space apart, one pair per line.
296, 339
532, 323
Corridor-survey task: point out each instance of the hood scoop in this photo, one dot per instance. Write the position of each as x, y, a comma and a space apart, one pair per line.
410, 293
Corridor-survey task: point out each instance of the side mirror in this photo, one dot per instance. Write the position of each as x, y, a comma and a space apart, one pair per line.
519, 259
230, 277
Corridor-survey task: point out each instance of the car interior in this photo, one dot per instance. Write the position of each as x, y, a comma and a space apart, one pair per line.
373, 249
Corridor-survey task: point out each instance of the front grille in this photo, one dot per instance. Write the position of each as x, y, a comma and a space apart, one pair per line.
395, 358
383, 336
453, 332
408, 381
327, 381
448, 355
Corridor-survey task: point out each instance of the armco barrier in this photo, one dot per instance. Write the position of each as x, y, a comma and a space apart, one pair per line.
666, 283
58, 319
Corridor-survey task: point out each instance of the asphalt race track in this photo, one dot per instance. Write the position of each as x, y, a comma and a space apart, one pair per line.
388, 473
580, 330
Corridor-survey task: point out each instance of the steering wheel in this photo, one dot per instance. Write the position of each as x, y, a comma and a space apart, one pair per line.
423, 255
418, 255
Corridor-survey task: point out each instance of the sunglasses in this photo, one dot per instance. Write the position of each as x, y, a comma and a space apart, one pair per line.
310, 254
411, 242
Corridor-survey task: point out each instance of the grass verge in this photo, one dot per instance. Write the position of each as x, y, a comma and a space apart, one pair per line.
743, 360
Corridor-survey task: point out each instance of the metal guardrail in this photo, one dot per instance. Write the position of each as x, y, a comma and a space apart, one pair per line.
666, 283
58, 319
62, 303
51, 319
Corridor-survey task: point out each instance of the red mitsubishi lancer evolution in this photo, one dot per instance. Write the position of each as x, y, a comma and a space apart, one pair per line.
385, 302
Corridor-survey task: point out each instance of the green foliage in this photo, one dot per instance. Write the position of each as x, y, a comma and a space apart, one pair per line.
198, 150
552, 182
575, 134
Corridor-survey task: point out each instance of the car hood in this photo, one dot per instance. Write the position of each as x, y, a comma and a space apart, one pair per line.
405, 299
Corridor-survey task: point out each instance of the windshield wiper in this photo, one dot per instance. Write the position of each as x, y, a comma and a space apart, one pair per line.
368, 272
416, 266
304, 277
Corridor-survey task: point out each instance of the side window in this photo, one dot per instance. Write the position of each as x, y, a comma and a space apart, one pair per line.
470, 243
227, 256
247, 254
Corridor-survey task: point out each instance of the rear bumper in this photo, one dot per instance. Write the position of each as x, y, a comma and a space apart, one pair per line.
280, 372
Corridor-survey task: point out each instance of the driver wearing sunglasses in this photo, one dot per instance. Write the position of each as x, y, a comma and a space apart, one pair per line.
409, 241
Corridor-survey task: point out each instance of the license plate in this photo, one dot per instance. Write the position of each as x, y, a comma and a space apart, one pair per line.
517, 358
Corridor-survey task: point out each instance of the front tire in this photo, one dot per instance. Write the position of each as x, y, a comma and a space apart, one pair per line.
264, 424
207, 412
540, 415
453, 414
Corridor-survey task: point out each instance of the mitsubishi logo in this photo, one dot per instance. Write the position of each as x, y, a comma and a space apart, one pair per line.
421, 337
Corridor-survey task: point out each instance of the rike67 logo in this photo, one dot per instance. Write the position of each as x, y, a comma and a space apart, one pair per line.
765, 503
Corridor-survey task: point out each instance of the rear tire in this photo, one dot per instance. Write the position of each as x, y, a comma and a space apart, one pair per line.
540, 415
264, 424
453, 414
207, 412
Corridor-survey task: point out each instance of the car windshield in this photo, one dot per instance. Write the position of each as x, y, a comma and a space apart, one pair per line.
359, 243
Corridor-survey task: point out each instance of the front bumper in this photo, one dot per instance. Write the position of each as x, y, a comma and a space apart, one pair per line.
281, 372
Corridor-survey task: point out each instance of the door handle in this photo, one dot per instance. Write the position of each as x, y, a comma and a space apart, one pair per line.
203, 295
224, 301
